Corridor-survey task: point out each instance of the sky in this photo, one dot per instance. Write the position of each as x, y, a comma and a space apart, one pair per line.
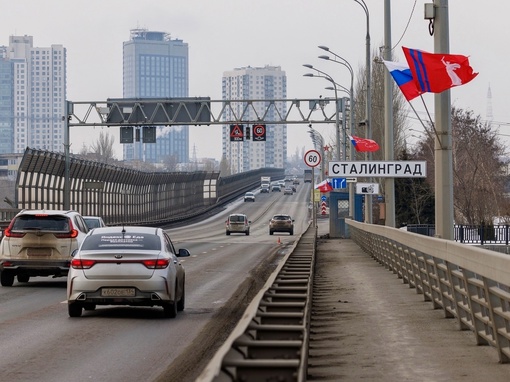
227, 34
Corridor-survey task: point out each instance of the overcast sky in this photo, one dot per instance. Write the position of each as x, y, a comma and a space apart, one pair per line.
226, 34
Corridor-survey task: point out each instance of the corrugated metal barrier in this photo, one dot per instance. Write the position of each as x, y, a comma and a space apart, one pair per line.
270, 343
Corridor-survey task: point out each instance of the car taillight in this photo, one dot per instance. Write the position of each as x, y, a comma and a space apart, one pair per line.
73, 233
82, 264
8, 233
156, 263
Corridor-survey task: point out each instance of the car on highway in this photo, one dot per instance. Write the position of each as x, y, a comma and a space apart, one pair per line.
127, 265
288, 191
249, 197
281, 223
276, 188
237, 223
40, 243
94, 221
264, 188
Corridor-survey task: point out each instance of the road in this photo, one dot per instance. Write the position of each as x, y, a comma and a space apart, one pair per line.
39, 342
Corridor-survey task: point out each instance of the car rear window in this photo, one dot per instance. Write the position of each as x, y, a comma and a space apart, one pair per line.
236, 219
41, 223
121, 241
281, 217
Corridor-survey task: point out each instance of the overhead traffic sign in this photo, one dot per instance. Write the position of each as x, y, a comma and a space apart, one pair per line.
259, 133
236, 133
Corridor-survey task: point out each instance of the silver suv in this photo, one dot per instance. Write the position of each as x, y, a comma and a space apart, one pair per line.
40, 243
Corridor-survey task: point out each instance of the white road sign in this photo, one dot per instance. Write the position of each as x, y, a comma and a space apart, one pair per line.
379, 169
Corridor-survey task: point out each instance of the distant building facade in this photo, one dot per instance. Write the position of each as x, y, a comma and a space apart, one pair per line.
32, 96
247, 83
156, 66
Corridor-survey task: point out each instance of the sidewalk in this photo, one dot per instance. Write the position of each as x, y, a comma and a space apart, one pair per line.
367, 325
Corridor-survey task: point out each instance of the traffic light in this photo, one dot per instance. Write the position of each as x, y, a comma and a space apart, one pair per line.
247, 134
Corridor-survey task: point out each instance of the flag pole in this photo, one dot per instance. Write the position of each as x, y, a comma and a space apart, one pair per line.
431, 122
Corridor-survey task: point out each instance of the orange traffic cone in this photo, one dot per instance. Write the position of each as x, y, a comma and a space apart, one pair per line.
279, 242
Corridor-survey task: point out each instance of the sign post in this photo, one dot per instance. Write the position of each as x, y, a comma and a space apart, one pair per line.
313, 159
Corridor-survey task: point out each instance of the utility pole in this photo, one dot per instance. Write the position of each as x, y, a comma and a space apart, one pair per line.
389, 183
443, 141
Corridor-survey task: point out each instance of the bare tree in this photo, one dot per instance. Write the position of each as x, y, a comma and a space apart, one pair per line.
102, 149
478, 171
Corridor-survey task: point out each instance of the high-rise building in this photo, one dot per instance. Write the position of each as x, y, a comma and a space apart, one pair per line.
156, 66
247, 83
32, 96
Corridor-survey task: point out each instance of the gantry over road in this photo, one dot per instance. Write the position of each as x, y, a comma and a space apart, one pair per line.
200, 111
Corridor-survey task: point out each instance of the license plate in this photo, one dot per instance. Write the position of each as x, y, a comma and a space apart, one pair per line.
118, 292
38, 252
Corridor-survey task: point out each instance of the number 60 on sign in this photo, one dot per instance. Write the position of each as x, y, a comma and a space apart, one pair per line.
312, 158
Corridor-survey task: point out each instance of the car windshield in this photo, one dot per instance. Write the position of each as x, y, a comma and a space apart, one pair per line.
92, 222
41, 222
236, 219
106, 241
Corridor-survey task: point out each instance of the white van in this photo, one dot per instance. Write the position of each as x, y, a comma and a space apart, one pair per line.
237, 223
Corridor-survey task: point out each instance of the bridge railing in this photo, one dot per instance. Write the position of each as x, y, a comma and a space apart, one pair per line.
468, 283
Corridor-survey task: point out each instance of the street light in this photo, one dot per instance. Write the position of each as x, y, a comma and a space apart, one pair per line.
330, 79
318, 142
368, 203
344, 62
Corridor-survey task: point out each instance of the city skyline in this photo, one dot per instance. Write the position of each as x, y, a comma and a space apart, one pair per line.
226, 35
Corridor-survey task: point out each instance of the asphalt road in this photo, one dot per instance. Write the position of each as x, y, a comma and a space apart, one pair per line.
39, 342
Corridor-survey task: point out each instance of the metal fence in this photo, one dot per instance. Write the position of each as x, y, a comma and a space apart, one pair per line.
469, 234
126, 196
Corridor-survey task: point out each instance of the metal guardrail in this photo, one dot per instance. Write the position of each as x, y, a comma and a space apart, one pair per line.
468, 283
470, 233
270, 343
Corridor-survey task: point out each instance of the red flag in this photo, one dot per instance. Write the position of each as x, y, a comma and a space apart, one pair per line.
325, 186
437, 72
364, 145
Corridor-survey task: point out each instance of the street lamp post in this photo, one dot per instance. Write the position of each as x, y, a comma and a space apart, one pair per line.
318, 142
368, 109
344, 62
337, 105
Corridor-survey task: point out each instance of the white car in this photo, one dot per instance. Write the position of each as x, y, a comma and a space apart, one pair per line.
94, 221
249, 197
40, 243
237, 223
136, 266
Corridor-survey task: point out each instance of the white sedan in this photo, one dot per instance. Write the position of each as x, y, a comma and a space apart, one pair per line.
136, 266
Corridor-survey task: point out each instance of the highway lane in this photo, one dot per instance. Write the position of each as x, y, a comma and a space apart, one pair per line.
39, 342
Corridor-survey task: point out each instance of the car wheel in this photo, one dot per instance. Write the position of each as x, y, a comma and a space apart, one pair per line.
247, 233
270, 232
170, 310
23, 278
227, 233
89, 306
6, 278
74, 309
181, 302
291, 232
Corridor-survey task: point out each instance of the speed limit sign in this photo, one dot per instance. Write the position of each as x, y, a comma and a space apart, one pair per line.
312, 158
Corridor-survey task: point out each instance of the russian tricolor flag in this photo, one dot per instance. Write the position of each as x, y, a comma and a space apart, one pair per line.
404, 79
